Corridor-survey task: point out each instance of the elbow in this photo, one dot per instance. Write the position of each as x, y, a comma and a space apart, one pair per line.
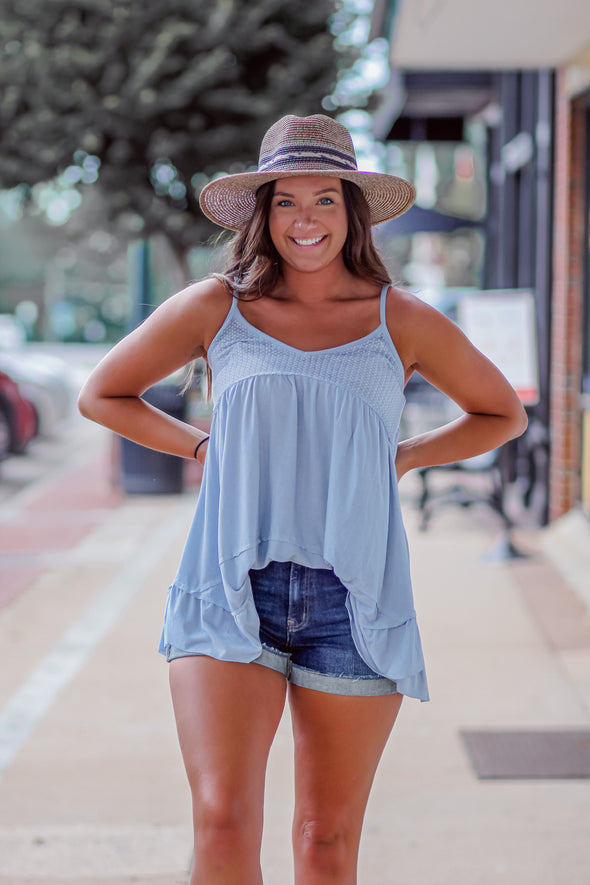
520, 421
83, 405
87, 403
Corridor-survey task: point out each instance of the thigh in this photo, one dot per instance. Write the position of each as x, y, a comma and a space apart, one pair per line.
339, 740
227, 715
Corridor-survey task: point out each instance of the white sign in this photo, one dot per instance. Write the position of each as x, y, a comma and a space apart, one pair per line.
503, 326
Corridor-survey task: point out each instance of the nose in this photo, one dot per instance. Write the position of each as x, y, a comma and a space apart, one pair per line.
304, 219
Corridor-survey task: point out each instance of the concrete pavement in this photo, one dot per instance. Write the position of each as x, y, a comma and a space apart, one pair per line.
92, 789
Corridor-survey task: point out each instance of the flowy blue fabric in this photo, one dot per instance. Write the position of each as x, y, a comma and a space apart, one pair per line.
300, 468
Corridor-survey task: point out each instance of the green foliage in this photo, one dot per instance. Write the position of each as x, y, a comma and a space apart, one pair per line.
163, 93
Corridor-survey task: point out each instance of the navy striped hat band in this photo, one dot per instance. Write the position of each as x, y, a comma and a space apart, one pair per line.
299, 153
299, 146
296, 156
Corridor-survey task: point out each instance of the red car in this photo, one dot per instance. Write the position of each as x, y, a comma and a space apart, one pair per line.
18, 419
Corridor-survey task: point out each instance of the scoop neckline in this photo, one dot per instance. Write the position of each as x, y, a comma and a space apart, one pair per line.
299, 349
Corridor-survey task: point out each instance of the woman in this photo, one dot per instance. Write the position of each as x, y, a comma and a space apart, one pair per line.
295, 575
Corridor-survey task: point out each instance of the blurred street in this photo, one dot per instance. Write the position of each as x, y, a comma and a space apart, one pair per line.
92, 789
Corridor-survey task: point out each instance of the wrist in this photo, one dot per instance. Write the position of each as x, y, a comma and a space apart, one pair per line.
202, 448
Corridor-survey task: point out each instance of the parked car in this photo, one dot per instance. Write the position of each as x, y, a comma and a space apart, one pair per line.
18, 420
44, 381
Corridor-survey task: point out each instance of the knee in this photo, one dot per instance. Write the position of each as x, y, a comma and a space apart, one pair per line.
325, 847
222, 822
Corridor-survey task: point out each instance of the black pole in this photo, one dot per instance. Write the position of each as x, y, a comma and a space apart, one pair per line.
140, 281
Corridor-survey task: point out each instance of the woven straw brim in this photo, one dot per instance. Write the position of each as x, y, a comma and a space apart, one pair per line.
229, 201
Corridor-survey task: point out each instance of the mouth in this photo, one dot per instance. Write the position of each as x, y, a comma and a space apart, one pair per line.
308, 241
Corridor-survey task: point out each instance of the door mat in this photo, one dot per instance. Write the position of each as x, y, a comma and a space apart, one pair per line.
528, 754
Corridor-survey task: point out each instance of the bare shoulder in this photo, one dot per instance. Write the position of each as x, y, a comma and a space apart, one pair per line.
206, 292
408, 318
403, 306
198, 310
208, 296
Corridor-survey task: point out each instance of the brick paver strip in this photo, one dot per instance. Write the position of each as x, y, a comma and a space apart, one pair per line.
14, 580
85, 488
51, 522
44, 533
562, 617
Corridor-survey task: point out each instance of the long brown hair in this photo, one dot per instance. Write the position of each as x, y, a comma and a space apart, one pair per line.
255, 264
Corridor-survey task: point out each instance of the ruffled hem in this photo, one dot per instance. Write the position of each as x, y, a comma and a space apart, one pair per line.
194, 623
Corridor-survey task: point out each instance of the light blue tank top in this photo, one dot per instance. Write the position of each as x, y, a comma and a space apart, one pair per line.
300, 467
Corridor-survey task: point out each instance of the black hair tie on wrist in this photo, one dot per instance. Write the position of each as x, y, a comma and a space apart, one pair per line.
199, 445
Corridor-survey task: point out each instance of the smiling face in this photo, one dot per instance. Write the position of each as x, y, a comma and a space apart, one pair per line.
308, 222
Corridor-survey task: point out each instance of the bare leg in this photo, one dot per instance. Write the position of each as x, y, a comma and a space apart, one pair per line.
227, 715
338, 743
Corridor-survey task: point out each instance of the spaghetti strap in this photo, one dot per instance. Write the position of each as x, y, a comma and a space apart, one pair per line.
383, 303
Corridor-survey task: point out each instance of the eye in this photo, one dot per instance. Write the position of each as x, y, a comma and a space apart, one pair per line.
284, 202
325, 201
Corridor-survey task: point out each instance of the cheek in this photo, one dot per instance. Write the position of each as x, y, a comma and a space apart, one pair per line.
274, 228
275, 236
340, 221
343, 230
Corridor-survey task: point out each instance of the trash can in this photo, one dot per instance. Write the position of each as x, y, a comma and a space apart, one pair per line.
147, 472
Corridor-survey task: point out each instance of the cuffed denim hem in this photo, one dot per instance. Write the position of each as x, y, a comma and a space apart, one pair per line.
354, 686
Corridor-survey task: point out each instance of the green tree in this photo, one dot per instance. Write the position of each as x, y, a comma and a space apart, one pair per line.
152, 98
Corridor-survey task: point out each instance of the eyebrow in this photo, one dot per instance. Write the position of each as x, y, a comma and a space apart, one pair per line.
325, 190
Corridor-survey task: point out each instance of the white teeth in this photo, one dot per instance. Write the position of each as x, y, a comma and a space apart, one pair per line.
311, 242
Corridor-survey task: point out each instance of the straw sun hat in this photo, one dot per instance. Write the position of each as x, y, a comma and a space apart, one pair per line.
298, 146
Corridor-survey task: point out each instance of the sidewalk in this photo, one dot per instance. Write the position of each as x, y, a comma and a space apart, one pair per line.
92, 789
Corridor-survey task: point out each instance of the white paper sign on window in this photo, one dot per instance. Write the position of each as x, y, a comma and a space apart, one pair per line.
503, 326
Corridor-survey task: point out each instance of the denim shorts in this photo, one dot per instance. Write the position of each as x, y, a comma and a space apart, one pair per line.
305, 631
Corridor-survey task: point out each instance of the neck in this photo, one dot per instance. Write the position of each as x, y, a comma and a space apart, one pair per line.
320, 285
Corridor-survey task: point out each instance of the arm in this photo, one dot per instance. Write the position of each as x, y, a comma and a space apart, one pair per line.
179, 331
430, 343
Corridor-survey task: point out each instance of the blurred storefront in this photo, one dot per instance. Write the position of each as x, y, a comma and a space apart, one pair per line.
519, 69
